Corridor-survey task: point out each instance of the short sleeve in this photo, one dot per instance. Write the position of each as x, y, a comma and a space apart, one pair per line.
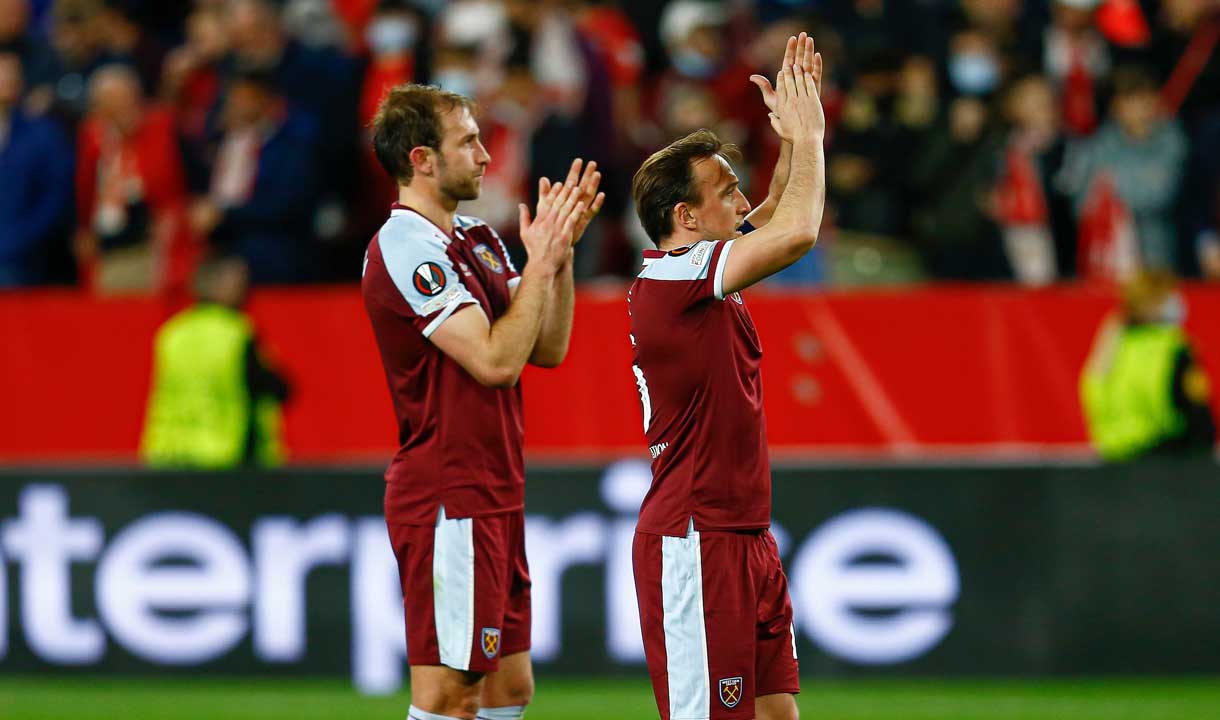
720, 253
696, 270
425, 277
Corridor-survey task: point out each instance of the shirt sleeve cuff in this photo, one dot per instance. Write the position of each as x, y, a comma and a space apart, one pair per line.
718, 278
445, 312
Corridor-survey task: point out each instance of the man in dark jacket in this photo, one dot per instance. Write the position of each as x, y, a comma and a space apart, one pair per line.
35, 183
264, 188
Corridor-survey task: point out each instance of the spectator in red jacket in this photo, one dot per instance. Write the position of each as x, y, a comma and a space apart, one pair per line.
129, 187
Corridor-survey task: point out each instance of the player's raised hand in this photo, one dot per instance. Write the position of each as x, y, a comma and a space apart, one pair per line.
547, 238
799, 115
586, 184
764, 85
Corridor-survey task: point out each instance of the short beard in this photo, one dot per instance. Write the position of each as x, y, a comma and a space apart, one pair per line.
455, 189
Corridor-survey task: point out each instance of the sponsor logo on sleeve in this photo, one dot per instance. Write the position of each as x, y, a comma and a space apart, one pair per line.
730, 691
488, 258
429, 279
440, 301
700, 255
491, 642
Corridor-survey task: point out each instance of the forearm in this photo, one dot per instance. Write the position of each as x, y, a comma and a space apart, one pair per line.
762, 214
799, 211
555, 332
512, 338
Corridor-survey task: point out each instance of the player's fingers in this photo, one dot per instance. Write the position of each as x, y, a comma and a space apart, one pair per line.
789, 53
553, 197
809, 52
591, 188
764, 86
786, 87
544, 185
798, 85
569, 222
523, 216
817, 73
596, 207
590, 180
569, 199
548, 205
574, 172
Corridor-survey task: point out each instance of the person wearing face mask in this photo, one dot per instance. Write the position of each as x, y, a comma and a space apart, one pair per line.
1143, 391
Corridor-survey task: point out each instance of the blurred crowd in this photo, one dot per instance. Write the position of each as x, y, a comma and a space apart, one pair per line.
1025, 140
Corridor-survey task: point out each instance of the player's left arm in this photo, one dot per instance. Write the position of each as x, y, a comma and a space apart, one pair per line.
553, 339
761, 214
795, 51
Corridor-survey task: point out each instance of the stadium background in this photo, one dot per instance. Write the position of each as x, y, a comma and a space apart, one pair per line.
956, 548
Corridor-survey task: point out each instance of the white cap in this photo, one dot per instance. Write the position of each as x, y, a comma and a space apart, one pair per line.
683, 16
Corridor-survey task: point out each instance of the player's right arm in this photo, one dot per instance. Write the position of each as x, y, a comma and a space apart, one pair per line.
798, 119
495, 353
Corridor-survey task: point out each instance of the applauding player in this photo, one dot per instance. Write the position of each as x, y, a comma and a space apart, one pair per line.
713, 598
455, 325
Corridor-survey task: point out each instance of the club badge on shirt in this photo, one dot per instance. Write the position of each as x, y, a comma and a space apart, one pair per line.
488, 258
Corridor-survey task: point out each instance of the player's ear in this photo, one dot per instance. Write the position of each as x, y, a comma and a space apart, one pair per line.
683, 217
423, 159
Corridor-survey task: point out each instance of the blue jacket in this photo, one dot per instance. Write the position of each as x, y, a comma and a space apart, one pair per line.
273, 230
35, 197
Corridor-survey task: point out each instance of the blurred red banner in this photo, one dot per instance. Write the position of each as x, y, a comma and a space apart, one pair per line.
939, 372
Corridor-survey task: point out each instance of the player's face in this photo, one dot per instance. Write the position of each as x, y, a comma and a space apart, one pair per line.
722, 206
462, 159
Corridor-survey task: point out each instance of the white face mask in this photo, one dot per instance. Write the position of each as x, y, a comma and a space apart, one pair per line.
391, 35
455, 80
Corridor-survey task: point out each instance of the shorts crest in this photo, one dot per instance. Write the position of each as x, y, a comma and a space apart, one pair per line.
491, 642
730, 691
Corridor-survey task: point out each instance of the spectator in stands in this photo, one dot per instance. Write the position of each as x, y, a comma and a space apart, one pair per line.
35, 182
264, 184
123, 40
38, 61
952, 220
1143, 154
1142, 389
1035, 216
393, 36
866, 159
191, 87
318, 80
130, 192
215, 401
75, 36
1077, 60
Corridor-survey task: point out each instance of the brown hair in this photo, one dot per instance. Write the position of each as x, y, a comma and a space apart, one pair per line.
409, 117
667, 178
